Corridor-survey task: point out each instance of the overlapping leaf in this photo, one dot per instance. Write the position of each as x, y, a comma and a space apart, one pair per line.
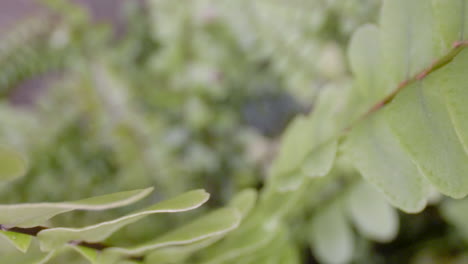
371, 213
331, 237
56, 237
378, 155
20, 241
33, 214
213, 224
420, 117
306, 148
420, 138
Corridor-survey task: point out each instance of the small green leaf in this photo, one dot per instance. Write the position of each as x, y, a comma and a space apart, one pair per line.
247, 240
306, 148
89, 253
406, 36
12, 164
33, 214
178, 254
376, 152
20, 241
456, 92
214, 224
366, 63
331, 237
371, 213
421, 119
450, 17
244, 201
33, 256
56, 237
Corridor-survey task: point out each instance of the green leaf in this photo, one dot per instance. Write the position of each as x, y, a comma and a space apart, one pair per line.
378, 155
33, 214
407, 35
56, 237
456, 91
331, 237
264, 254
12, 164
89, 253
306, 147
178, 254
452, 24
244, 201
251, 238
420, 117
366, 63
371, 213
214, 224
33, 256
20, 241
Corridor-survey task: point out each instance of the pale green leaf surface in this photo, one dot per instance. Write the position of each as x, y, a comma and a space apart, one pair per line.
244, 201
20, 241
366, 62
178, 254
371, 213
378, 155
451, 17
214, 224
306, 148
264, 255
90, 254
456, 91
250, 238
406, 36
421, 120
33, 214
12, 164
295, 145
56, 237
33, 256
331, 237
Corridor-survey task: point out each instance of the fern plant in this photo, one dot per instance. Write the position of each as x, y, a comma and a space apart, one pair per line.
389, 138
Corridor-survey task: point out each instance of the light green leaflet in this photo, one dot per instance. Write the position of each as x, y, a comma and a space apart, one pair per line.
33, 214
378, 155
244, 201
178, 254
331, 237
33, 256
420, 117
252, 237
372, 147
456, 91
452, 21
20, 241
366, 63
56, 237
264, 255
371, 213
213, 224
12, 164
406, 28
294, 147
305, 147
